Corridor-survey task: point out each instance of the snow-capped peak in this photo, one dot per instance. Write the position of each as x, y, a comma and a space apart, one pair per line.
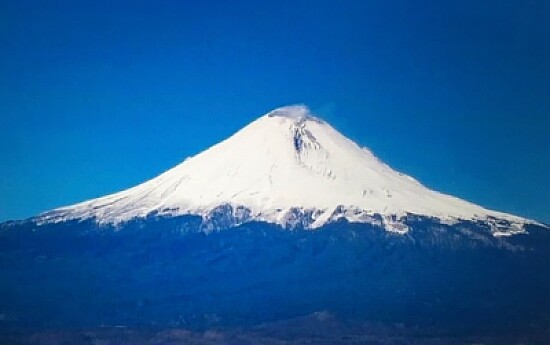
284, 162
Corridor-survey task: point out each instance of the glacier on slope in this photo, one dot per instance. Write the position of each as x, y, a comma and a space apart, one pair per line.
285, 165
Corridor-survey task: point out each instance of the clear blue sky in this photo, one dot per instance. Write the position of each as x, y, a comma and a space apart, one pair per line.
96, 96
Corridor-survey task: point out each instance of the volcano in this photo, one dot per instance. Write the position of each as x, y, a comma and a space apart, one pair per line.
285, 163
285, 220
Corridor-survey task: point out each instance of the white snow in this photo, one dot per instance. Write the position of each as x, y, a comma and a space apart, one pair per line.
285, 159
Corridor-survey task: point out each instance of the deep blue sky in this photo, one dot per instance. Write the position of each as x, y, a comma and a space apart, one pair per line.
96, 96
